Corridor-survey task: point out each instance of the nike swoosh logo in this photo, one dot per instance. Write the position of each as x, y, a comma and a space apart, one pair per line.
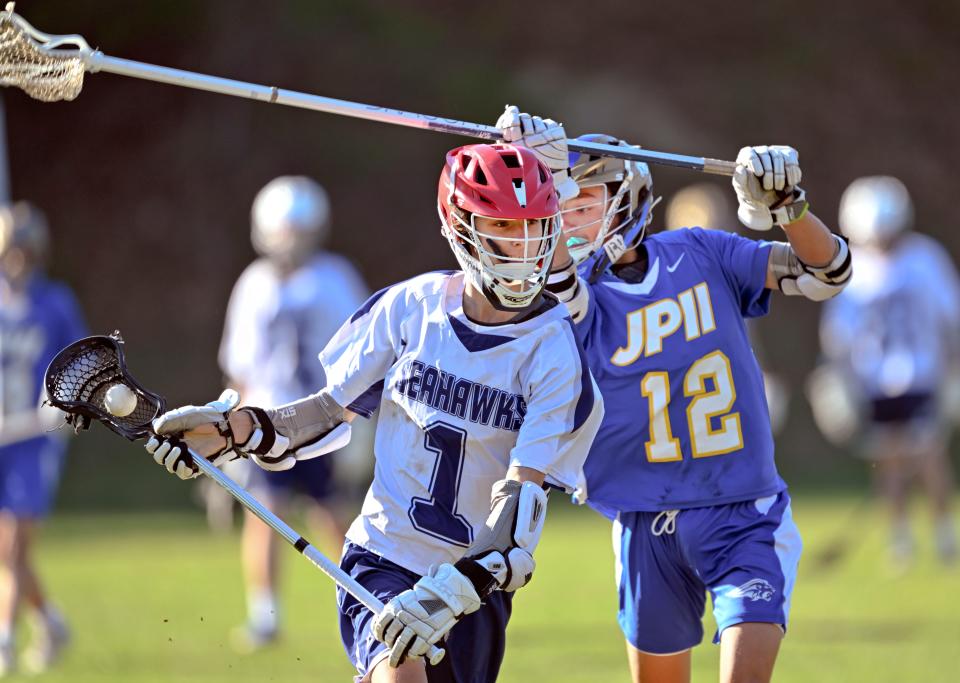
672, 268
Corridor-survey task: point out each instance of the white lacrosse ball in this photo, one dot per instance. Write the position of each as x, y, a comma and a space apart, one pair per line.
119, 400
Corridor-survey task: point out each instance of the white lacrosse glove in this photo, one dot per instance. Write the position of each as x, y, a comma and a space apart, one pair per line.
173, 454
545, 138
765, 181
420, 616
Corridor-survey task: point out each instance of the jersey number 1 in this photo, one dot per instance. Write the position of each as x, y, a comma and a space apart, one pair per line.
437, 516
706, 406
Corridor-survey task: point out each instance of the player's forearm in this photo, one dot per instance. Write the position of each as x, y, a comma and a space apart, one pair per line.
242, 424
811, 240
522, 474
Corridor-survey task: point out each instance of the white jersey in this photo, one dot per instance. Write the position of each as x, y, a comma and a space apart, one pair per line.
275, 326
896, 325
459, 404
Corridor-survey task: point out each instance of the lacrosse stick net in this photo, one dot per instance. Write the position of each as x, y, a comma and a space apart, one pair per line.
77, 381
39, 63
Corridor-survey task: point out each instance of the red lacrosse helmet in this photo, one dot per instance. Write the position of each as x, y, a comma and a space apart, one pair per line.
500, 182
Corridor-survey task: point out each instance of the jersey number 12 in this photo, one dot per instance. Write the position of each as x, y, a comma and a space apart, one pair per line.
707, 406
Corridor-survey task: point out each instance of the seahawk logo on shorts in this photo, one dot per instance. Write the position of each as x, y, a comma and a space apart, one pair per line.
754, 589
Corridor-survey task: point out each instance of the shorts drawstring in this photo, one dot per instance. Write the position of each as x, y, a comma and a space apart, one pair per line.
664, 523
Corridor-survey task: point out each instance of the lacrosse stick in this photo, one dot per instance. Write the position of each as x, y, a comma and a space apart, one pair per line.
51, 68
77, 381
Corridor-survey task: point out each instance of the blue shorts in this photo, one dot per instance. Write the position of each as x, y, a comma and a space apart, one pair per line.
29, 474
475, 645
312, 478
746, 554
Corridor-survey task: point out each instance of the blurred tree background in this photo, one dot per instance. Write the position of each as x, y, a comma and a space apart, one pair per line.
149, 187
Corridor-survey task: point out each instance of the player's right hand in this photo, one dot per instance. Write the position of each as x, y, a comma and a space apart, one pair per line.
547, 139
420, 616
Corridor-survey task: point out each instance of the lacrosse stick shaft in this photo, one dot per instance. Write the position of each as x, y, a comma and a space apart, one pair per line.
324, 564
97, 61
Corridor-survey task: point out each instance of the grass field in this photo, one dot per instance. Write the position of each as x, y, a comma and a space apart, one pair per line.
152, 598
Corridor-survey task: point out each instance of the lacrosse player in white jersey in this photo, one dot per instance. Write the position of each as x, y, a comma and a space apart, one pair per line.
893, 339
484, 398
285, 306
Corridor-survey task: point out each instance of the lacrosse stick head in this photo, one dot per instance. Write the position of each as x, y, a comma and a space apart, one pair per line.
77, 381
46, 67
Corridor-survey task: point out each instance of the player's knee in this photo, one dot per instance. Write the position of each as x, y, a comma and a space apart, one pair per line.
411, 671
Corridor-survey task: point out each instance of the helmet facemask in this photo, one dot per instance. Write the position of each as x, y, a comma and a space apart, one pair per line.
627, 208
509, 278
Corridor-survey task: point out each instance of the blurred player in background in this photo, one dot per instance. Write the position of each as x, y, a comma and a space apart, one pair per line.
284, 308
38, 317
484, 397
892, 341
684, 460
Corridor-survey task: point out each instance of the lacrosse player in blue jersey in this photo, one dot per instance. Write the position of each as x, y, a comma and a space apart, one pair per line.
38, 317
683, 462
484, 396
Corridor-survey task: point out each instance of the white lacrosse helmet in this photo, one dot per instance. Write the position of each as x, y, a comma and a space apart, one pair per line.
290, 219
627, 197
24, 230
874, 210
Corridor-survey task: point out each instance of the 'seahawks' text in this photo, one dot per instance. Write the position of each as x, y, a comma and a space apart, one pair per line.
464, 398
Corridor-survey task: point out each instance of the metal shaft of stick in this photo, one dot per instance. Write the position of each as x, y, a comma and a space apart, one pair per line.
97, 61
324, 564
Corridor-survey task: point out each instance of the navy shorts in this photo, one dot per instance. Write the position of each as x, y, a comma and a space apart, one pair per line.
312, 478
29, 474
745, 554
475, 645
904, 409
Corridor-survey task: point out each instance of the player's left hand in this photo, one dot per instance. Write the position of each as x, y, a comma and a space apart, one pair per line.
547, 139
765, 177
420, 616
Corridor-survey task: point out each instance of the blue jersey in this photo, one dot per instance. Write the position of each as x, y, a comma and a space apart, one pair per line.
34, 325
687, 422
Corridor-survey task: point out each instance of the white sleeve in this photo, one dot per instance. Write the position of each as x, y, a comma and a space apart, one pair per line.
340, 291
359, 355
564, 410
242, 333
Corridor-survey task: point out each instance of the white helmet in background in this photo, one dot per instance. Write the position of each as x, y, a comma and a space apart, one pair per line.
290, 219
874, 210
24, 239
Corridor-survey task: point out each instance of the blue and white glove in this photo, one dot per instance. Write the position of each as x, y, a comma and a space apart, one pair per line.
766, 182
420, 616
545, 138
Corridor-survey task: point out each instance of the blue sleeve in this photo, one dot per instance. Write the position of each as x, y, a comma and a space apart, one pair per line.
744, 265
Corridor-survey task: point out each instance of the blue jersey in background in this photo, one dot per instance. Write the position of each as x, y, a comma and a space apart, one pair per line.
34, 325
687, 423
